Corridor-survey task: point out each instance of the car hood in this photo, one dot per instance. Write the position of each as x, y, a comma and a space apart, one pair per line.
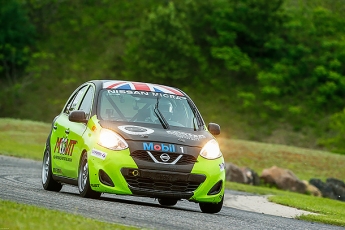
153, 133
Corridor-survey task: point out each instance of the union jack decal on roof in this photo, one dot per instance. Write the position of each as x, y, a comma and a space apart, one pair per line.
128, 85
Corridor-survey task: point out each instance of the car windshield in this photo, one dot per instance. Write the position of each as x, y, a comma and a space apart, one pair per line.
147, 107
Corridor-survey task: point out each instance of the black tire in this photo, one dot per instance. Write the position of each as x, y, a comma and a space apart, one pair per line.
167, 202
47, 177
83, 180
211, 207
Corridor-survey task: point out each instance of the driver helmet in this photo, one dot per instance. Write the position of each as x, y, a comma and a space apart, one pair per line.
166, 108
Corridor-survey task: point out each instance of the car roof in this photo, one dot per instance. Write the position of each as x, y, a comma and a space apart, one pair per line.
140, 86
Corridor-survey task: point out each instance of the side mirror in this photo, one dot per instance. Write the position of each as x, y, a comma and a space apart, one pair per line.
77, 116
213, 128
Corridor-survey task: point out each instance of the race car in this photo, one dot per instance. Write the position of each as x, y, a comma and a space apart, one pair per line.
135, 138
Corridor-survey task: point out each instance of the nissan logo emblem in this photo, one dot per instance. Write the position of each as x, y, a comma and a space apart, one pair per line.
164, 157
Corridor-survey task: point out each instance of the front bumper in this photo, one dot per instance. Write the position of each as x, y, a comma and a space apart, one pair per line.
205, 183
162, 184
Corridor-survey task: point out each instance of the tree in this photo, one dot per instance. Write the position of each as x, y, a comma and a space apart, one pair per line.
17, 35
203, 42
310, 52
162, 49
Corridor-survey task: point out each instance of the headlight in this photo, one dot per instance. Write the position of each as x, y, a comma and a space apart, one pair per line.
211, 150
111, 140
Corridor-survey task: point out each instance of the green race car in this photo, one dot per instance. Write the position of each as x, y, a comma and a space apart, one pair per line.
134, 138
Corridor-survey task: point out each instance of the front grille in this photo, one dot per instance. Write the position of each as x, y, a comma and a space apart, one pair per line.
144, 156
177, 186
159, 181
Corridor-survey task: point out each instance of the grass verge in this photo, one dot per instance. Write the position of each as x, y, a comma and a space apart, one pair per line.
20, 216
23, 138
328, 211
305, 163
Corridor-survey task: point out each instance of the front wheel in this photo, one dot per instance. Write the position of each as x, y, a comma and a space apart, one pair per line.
83, 180
47, 177
211, 207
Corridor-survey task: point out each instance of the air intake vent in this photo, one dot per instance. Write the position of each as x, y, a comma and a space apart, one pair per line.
216, 188
105, 179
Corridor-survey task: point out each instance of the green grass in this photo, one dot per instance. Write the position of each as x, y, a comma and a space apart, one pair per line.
305, 163
22, 138
20, 216
327, 211
26, 139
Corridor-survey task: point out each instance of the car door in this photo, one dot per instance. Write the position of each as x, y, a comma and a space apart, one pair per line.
77, 130
62, 143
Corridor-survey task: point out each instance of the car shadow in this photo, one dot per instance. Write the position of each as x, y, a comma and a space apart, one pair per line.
130, 200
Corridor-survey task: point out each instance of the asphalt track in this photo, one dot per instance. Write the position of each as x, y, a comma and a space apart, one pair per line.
20, 181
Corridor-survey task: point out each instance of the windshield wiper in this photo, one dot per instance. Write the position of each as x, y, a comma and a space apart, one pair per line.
194, 124
160, 116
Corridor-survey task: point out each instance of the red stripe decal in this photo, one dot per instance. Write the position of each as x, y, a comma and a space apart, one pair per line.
141, 86
172, 90
114, 85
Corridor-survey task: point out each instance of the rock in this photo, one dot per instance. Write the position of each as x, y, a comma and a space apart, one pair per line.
235, 174
283, 179
335, 182
242, 175
333, 188
252, 177
338, 188
326, 190
311, 189
317, 183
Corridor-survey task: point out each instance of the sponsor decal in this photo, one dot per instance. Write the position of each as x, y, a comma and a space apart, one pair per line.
94, 185
141, 87
154, 94
98, 154
135, 130
64, 146
222, 166
63, 158
128, 92
158, 147
57, 170
184, 135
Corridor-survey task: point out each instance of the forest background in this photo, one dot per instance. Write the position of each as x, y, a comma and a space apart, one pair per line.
266, 70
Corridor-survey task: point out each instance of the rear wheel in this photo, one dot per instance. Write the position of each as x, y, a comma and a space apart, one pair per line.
167, 202
211, 207
83, 180
47, 177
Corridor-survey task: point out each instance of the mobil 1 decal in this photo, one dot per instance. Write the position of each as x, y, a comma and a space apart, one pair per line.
163, 147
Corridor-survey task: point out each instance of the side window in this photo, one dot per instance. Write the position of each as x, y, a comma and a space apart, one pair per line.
86, 104
74, 102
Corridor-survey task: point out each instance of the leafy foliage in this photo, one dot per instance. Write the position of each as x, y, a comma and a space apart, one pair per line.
336, 141
17, 35
197, 41
311, 50
163, 48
